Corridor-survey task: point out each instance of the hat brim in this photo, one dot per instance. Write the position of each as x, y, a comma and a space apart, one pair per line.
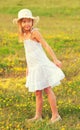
35, 19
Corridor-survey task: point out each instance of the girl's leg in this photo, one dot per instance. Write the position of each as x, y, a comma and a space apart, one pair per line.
39, 103
52, 101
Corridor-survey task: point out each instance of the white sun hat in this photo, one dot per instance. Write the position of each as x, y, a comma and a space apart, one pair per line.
26, 13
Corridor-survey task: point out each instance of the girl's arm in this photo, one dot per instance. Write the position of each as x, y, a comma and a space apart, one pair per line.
27, 71
40, 39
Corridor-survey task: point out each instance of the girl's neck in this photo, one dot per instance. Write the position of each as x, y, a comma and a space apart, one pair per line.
27, 34
27, 31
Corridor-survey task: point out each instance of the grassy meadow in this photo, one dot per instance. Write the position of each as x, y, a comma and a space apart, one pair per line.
60, 26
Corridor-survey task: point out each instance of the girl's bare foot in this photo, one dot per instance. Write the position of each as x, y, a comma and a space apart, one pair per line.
36, 118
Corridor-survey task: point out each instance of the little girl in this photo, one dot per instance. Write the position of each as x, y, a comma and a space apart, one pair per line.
42, 73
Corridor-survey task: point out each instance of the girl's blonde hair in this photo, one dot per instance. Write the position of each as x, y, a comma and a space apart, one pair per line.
20, 31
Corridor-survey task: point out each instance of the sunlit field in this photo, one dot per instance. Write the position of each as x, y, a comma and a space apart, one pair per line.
60, 26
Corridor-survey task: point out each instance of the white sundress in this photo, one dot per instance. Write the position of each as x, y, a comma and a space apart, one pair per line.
42, 72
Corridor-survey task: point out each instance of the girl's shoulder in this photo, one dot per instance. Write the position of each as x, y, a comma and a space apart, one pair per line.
35, 32
34, 29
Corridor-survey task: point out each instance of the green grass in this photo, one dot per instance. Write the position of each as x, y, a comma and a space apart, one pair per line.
60, 26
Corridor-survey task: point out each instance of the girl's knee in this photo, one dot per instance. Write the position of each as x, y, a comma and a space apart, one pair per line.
48, 90
38, 93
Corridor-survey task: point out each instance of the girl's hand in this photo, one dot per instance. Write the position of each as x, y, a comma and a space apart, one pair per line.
58, 63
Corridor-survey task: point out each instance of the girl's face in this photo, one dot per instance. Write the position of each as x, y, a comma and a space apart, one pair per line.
26, 24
